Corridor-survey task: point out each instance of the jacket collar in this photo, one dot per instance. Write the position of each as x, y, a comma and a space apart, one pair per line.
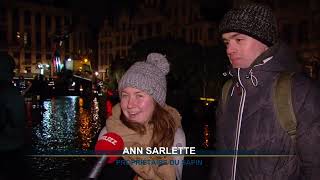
277, 58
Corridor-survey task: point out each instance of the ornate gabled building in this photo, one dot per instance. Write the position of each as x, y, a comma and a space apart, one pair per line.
30, 32
153, 18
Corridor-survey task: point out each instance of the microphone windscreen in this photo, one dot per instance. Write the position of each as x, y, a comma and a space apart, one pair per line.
110, 144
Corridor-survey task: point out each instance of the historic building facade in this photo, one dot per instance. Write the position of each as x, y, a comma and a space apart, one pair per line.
298, 21
32, 32
153, 18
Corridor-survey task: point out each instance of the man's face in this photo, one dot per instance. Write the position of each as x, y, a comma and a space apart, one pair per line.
242, 50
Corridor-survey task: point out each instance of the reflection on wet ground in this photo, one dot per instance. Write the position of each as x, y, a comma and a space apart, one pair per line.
62, 125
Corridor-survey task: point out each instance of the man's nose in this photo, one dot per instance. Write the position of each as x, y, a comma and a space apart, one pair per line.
230, 49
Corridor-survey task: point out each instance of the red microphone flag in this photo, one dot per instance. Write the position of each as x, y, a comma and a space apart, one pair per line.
111, 144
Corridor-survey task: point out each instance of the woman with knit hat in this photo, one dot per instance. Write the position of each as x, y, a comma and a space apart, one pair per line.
143, 119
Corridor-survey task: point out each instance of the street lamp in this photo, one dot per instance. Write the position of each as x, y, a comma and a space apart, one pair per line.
40, 66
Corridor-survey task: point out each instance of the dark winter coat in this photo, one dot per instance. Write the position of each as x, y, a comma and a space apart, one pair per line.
258, 128
12, 118
13, 164
12, 114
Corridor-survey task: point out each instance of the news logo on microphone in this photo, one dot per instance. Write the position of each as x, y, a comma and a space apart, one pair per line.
110, 144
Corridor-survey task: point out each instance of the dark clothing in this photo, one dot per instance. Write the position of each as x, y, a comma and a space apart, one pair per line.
14, 165
12, 122
113, 171
7, 66
250, 117
12, 132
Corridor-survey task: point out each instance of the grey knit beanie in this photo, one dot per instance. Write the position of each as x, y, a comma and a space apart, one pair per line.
254, 20
148, 76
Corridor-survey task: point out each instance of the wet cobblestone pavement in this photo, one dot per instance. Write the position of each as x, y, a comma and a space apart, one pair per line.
63, 125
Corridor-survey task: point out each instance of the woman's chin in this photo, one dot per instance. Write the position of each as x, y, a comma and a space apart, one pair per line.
133, 120
136, 121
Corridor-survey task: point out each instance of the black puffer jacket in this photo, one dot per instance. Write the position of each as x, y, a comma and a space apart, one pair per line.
249, 116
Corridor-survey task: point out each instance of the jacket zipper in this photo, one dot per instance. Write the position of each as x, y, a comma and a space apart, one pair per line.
238, 129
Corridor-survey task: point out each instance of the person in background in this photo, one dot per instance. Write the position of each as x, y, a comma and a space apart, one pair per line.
12, 124
248, 120
143, 119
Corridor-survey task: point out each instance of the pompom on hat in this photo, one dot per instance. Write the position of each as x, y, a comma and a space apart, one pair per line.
148, 76
255, 20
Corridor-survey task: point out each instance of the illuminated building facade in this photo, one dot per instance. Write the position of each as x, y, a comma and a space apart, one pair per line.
33, 34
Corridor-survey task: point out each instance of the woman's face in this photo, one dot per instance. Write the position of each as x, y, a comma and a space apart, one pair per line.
136, 105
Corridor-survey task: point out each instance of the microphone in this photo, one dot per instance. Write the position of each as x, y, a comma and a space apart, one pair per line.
110, 143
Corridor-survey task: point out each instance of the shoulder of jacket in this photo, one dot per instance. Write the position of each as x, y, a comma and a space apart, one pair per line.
116, 112
303, 79
174, 113
114, 119
302, 86
180, 135
179, 138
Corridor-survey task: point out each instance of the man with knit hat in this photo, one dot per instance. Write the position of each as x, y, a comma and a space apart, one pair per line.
143, 119
12, 123
247, 120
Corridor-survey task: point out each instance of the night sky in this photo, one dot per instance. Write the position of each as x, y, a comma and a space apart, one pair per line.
97, 10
